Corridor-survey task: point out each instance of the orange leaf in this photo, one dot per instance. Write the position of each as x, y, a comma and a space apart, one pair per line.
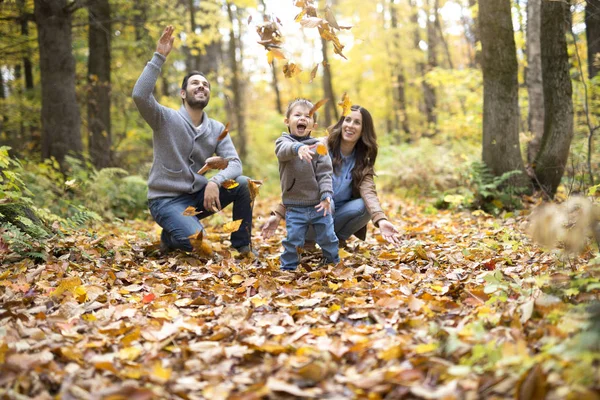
148, 298
313, 73
318, 105
199, 246
224, 133
230, 184
214, 163
232, 226
190, 211
345, 104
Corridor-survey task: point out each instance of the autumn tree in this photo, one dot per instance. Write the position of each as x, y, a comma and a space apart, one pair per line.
592, 31
399, 78
60, 111
98, 106
535, 89
501, 151
552, 158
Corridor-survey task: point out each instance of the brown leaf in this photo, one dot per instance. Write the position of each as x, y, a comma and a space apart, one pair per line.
318, 105
311, 22
253, 186
215, 162
313, 73
249, 19
532, 385
190, 211
200, 246
224, 133
290, 70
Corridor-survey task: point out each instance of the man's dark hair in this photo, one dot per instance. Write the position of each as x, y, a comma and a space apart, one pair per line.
189, 75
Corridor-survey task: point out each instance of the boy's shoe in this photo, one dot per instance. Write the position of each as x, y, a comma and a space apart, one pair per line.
246, 251
342, 243
163, 248
288, 268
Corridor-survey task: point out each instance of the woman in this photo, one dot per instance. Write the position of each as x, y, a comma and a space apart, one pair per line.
352, 146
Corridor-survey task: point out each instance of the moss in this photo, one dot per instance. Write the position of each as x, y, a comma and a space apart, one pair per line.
24, 218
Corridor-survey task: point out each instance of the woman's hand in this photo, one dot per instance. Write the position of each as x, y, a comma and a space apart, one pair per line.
268, 229
389, 232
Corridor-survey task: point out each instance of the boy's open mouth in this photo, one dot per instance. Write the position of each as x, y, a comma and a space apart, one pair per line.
301, 128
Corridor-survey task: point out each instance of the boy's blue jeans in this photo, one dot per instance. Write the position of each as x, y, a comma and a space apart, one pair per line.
297, 221
168, 213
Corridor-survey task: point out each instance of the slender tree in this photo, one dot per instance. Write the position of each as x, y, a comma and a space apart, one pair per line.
331, 112
534, 78
501, 152
398, 70
428, 90
98, 107
61, 122
592, 32
237, 87
552, 158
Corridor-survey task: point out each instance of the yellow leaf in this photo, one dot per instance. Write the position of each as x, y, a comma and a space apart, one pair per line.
344, 254
190, 211
237, 279
67, 284
290, 70
230, 184
130, 353
259, 301
131, 337
333, 286
253, 186
232, 226
426, 348
89, 317
392, 353
106, 366
159, 373
345, 103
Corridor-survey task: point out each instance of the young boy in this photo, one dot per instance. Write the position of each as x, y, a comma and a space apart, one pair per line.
306, 186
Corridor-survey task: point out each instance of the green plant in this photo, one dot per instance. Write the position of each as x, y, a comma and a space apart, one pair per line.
482, 190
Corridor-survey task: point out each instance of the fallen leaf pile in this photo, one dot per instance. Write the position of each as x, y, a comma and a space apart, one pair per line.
466, 308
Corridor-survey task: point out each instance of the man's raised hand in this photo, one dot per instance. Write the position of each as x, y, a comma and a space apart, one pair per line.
165, 43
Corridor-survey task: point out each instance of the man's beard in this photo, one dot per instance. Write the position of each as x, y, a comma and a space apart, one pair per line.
196, 104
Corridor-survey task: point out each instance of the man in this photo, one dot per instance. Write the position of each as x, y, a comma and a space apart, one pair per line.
182, 141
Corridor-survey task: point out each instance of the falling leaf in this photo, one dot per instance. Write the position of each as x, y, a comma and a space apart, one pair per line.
249, 19
200, 246
311, 22
313, 73
253, 187
317, 105
290, 70
232, 226
191, 211
321, 149
273, 54
345, 103
230, 184
222, 135
215, 162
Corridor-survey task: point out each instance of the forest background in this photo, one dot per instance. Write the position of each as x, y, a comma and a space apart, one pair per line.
484, 109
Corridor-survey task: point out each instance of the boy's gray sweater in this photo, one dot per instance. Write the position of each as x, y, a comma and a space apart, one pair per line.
302, 183
180, 149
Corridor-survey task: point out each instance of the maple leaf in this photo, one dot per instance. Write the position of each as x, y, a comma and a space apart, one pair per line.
290, 70
232, 226
224, 133
317, 105
346, 104
215, 162
230, 184
190, 211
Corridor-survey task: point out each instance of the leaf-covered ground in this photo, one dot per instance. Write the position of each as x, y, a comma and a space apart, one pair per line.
466, 308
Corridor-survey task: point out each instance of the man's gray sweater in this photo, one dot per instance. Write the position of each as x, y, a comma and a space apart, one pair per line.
302, 183
180, 149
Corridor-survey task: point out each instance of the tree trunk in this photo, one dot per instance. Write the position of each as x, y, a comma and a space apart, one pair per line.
99, 123
592, 32
501, 152
534, 78
558, 103
331, 112
400, 80
237, 89
24, 19
207, 58
428, 90
275, 80
60, 117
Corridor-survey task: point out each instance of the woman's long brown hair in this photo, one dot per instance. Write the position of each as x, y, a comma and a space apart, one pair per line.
365, 149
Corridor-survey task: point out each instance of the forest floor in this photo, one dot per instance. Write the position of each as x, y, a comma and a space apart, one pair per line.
466, 308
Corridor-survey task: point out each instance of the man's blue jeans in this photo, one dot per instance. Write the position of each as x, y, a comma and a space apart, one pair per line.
168, 213
297, 221
348, 218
